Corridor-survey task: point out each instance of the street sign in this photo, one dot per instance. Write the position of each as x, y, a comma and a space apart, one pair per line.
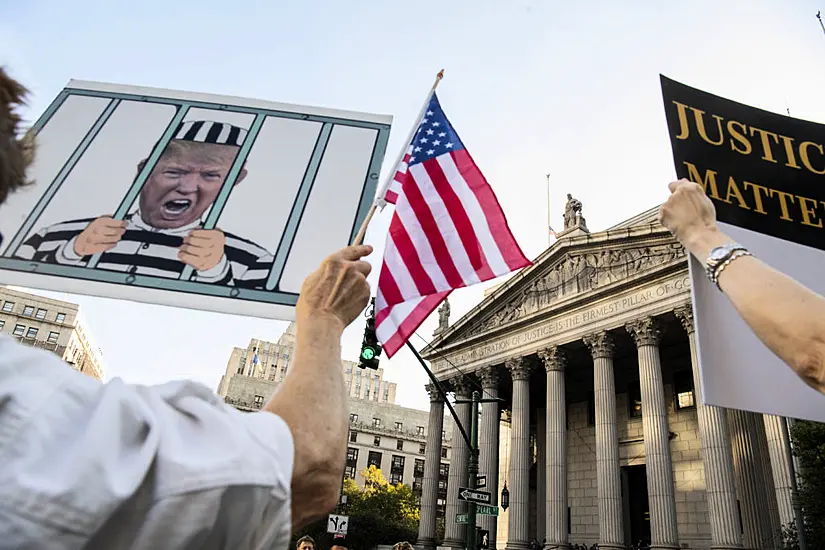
469, 495
483, 538
462, 519
481, 482
337, 525
483, 510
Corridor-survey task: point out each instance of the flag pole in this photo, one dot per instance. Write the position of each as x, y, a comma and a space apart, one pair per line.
549, 238
379, 201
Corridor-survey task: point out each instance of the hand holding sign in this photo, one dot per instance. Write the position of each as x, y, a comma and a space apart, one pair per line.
338, 290
690, 215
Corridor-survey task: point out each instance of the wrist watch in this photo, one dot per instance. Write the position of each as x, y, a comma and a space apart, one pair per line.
720, 257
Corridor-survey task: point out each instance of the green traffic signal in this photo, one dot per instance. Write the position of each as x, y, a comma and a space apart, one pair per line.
368, 353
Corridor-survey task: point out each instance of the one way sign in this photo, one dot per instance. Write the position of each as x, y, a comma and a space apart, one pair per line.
480, 497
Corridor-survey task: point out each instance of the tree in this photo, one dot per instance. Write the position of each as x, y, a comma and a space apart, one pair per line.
809, 446
395, 504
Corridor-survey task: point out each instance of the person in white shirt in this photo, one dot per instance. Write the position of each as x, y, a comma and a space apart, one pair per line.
120, 466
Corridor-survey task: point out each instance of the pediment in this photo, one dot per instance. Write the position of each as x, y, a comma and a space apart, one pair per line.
569, 272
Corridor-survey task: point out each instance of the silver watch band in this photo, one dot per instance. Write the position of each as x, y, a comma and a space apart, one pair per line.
717, 270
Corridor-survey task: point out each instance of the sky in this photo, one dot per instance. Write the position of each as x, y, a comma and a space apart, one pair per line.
532, 87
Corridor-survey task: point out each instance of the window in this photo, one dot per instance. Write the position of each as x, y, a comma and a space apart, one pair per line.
443, 435
19, 330
31, 333
443, 452
422, 449
352, 455
259, 400
396, 478
397, 462
386, 394
53, 336
374, 459
353, 437
683, 388
60, 317
28, 311
8, 306
41, 314
353, 418
419, 430
399, 426
349, 472
634, 399
375, 395
357, 390
399, 445
418, 470
443, 470
2, 324
376, 422
377, 441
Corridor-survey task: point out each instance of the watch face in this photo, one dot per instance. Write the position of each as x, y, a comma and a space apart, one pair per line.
719, 253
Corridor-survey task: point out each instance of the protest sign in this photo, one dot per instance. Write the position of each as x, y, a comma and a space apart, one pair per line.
188, 199
764, 173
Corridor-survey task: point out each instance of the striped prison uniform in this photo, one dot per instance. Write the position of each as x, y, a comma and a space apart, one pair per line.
145, 250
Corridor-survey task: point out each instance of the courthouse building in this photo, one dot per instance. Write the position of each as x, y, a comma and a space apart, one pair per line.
54, 325
592, 351
381, 434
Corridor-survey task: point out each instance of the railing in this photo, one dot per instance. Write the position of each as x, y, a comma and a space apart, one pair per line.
242, 404
42, 344
382, 430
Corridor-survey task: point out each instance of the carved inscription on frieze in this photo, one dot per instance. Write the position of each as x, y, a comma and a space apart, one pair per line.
564, 323
580, 273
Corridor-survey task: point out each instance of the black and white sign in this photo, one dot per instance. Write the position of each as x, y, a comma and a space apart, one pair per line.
483, 538
337, 525
481, 482
764, 174
481, 497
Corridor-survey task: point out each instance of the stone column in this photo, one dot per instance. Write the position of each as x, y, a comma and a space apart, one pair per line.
518, 522
647, 334
608, 475
432, 462
488, 445
780, 467
541, 473
756, 521
454, 532
556, 507
714, 437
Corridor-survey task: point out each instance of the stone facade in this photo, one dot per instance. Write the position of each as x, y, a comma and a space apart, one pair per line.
273, 360
592, 351
50, 324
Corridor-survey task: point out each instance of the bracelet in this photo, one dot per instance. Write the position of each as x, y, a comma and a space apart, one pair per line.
714, 277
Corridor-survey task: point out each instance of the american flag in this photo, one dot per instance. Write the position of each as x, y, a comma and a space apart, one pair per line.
448, 230
553, 232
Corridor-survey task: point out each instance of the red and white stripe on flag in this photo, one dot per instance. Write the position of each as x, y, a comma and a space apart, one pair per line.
448, 231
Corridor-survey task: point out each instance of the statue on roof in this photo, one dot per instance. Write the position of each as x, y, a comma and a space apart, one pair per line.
573, 214
443, 316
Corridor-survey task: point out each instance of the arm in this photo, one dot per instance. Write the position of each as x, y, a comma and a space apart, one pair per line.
788, 317
312, 399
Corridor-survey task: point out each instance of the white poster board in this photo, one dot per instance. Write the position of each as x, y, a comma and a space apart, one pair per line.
759, 188
187, 199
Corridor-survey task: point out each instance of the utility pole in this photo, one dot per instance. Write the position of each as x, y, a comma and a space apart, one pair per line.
471, 439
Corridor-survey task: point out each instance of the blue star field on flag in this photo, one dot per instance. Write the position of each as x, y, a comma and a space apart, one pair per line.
435, 135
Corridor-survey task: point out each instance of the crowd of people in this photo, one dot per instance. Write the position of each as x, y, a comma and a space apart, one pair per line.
117, 465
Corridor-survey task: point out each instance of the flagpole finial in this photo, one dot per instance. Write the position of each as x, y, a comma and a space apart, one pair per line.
440, 74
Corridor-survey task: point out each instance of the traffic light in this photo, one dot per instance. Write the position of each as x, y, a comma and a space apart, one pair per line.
370, 348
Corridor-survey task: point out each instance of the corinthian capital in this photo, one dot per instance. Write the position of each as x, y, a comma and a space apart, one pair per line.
435, 395
645, 332
601, 344
488, 377
553, 358
685, 315
519, 368
462, 387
